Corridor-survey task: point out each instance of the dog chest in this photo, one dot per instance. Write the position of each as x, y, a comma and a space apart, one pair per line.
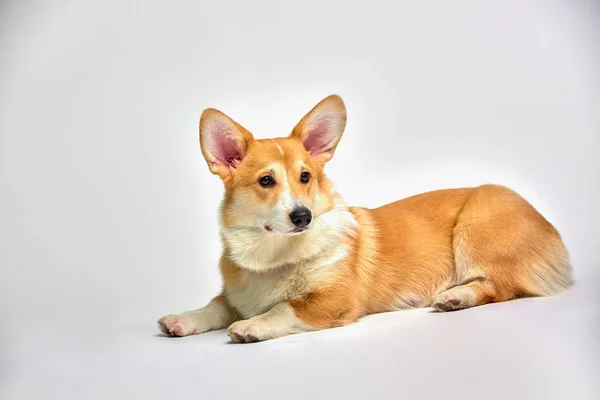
260, 291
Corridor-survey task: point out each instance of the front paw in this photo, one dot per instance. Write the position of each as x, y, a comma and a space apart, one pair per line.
178, 325
247, 331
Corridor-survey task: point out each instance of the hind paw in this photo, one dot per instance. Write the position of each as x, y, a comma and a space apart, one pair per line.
446, 304
454, 299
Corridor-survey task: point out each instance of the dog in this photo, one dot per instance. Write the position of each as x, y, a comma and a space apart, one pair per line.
297, 258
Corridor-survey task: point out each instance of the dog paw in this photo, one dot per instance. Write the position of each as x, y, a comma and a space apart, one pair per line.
446, 304
247, 332
457, 298
177, 325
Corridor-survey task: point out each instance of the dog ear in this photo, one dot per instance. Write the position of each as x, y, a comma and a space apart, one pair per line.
321, 129
224, 143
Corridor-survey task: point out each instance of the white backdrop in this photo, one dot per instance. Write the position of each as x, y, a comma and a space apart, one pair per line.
107, 209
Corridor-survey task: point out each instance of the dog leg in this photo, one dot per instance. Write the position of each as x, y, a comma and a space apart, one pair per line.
278, 321
326, 309
474, 293
218, 314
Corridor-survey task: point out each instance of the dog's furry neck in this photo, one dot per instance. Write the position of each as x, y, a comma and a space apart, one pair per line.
258, 250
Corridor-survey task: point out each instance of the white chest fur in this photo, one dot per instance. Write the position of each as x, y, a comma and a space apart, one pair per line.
281, 267
260, 291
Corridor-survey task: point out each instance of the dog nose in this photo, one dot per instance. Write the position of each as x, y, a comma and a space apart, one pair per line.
301, 217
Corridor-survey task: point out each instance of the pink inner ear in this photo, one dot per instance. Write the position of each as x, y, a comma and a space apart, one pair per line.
319, 139
225, 149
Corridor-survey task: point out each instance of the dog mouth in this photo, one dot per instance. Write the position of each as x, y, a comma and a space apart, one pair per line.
298, 230
294, 231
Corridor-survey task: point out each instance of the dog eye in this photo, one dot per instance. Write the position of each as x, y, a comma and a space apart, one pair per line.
266, 181
305, 177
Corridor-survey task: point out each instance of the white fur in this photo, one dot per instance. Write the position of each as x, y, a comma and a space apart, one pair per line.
278, 216
262, 290
278, 146
213, 316
278, 321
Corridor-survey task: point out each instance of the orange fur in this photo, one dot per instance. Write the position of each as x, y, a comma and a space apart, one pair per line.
418, 247
449, 249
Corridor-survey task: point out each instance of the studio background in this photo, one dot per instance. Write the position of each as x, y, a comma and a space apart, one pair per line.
108, 213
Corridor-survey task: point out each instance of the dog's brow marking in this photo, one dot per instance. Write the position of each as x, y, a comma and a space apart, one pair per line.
278, 146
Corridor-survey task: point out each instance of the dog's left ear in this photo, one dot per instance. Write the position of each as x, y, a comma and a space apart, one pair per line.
321, 129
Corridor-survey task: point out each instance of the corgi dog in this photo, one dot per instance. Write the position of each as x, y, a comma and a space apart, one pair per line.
297, 258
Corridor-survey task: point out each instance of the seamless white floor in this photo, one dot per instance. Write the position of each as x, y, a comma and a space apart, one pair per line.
526, 349
108, 214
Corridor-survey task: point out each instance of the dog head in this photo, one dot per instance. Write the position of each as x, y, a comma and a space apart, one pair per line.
277, 185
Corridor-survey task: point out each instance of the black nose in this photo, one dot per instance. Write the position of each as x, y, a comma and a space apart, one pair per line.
301, 217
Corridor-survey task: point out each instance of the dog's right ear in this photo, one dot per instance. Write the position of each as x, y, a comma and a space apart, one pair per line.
224, 142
